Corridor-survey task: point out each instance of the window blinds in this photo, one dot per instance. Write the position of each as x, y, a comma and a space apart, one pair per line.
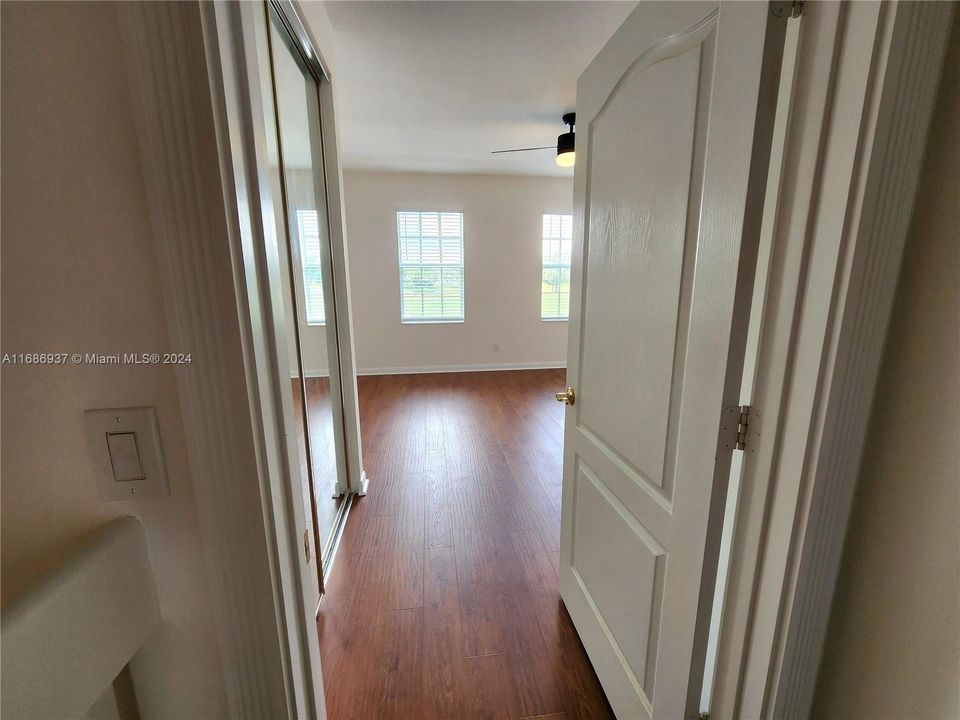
308, 228
555, 281
431, 266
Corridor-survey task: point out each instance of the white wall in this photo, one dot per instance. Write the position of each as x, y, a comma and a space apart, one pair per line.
79, 275
502, 218
893, 646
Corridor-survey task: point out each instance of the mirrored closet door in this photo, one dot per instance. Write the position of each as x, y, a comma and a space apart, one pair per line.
304, 255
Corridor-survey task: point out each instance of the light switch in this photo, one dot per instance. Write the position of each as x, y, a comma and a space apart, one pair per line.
126, 452
124, 456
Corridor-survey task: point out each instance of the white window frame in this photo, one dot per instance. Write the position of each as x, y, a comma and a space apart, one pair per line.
439, 266
544, 266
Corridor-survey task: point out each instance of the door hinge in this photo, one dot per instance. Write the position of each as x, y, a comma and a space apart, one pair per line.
787, 8
742, 426
739, 427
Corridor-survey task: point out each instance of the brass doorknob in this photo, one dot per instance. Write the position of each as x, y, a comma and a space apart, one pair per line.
567, 398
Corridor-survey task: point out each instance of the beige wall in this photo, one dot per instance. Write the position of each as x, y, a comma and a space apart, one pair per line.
502, 264
892, 647
79, 275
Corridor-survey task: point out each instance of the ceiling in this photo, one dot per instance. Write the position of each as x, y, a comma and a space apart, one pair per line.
435, 86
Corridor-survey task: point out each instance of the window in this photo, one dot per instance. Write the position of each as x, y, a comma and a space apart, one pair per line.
431, 266
308, 228
555, 281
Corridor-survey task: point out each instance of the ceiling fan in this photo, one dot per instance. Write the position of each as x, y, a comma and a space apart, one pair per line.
565, 144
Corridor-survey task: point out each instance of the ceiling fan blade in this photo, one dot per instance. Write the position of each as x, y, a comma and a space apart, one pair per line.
542, 147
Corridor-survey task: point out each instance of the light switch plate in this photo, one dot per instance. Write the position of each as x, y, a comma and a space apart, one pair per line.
127, 454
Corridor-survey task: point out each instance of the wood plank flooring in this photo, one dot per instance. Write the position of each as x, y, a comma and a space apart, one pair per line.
443, 599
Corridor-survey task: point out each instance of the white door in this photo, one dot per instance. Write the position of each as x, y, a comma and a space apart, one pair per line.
672, 149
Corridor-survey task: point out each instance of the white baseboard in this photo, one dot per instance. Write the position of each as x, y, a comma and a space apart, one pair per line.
422, 369
312, 373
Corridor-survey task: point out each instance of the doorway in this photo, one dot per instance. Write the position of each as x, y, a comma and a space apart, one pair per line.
773, 626
655, 359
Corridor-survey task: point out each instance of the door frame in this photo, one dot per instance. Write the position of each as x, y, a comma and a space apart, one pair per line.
865, 86
238, 48
193, 74
847, 190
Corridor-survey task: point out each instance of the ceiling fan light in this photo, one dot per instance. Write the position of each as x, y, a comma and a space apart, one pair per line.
565, 149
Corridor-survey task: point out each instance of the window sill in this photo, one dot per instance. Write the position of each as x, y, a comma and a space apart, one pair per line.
430, 322
543, 319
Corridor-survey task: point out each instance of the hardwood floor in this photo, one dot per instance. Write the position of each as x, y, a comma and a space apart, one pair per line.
443, 599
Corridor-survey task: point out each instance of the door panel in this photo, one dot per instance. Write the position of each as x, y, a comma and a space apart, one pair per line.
672, 149
639, 195
627, 586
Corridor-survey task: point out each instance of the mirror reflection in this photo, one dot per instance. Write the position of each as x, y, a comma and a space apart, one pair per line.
304, 254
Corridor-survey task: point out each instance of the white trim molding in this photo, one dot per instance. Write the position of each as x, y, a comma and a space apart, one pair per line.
865, 87
364, 484
479, 367
909, 59
238, 52
172, 79
340, 261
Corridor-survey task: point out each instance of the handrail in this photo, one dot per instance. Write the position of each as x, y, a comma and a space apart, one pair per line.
67, 638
